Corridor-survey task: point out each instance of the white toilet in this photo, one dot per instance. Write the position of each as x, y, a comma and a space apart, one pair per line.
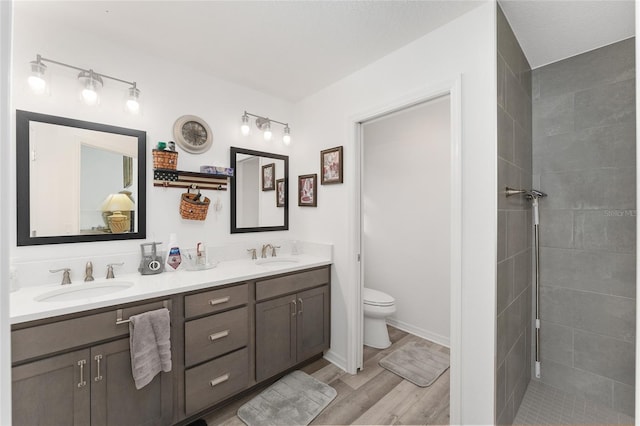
377, 307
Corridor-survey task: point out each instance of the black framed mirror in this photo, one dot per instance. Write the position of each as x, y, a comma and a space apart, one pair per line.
259, 191
78, 181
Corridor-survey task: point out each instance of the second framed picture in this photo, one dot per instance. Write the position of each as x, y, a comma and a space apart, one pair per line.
307, 190
268, 177
280, 193
331, 165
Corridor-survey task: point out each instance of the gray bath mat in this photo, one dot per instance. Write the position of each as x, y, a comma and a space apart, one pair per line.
417, 363
296, 399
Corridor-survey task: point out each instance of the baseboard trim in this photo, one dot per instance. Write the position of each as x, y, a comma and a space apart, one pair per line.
420, 332
336, 359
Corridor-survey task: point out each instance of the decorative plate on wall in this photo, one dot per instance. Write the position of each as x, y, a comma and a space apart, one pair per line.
192, 134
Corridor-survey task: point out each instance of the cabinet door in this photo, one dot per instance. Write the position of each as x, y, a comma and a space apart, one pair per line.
313, 322
275, 336
115, 401
54, 391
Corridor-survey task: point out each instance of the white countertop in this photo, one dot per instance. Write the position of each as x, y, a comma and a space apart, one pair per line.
25, 308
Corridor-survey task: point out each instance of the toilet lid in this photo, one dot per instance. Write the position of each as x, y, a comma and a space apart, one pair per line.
377, 298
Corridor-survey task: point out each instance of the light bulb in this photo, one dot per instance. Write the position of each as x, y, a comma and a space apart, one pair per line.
90, 96
267, 133
286, 138
244, 128
133, 100
36, 80
91, 83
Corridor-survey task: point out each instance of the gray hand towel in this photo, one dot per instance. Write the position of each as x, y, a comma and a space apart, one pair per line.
150, 346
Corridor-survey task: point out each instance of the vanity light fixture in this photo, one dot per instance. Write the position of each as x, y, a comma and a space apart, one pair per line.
264, 124
91, 83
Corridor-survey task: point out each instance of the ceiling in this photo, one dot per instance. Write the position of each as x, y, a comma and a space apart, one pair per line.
551, 30
292, 49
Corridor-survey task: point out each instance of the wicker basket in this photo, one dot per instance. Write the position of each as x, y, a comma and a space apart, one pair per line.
165, 159
193, 206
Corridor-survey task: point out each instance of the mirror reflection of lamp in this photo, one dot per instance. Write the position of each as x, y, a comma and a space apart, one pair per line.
116, 204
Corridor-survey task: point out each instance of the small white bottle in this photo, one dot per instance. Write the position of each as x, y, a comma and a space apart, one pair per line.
174, 257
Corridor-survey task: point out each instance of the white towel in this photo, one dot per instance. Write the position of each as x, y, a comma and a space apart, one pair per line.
150, 345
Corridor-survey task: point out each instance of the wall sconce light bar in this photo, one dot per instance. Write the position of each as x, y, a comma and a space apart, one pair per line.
264, 124
91, 79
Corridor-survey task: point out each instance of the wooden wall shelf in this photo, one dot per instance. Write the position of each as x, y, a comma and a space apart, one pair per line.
181, 179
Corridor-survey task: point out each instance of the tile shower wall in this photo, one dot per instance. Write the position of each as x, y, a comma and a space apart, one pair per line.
584, 159
514, 225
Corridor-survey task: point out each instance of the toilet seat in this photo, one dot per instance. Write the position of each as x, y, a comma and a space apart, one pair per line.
373, 297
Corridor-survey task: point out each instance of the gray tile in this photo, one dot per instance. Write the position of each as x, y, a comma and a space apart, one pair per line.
556, 228
535, 84
517, 101
504, 284
520, 390
556, 343
552, 116
522, 272
555, 305
606, 146
571, 380
515, 366
605, 105
522, 149
609, 315
501, 337
508, 45
508, 175
624, 398
601, 272
589, 189
615, 62
610, 230
605, 356
515, 320
506, 417
516, 231
502, 235
501, 388
505, 135
501, 80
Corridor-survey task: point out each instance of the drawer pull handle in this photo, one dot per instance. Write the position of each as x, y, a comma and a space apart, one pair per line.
83, 382
214, 302
98, 377
301, 306
215, 336
295, 308
215, 382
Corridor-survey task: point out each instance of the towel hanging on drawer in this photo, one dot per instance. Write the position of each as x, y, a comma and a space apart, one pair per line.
150, 345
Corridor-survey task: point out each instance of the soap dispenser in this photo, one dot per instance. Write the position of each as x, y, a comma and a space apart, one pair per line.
174, 257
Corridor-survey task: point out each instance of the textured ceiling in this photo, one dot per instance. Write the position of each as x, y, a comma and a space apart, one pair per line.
552, 30
289, 49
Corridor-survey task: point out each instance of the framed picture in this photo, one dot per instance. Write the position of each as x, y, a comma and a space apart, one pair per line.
307, 190
280, 193
331, 165
268, 177
127, 171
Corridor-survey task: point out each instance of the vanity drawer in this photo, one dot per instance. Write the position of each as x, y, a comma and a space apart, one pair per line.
216, 380
291, 283
63, 335
212, 301
211, 336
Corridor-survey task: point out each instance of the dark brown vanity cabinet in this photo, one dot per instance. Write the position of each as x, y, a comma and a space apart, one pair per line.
292, 320
90, 386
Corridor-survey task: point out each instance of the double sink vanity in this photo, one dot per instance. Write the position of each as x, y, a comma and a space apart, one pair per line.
243, 323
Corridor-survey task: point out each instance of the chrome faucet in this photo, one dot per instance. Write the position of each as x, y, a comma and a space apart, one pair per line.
273, 250
264, 250
253, 253
88, 272
110, 269
66, 276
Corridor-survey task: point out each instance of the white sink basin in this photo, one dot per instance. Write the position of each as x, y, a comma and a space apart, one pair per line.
83, 291
277, 261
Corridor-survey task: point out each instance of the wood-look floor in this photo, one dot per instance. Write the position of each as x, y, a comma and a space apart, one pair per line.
374, 396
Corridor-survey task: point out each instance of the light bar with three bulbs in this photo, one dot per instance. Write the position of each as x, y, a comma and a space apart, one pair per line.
264, 124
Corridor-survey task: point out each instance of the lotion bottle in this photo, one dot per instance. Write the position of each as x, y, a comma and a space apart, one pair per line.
174, 257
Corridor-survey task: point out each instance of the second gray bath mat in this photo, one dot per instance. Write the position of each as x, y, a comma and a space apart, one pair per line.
296, 399
417, 363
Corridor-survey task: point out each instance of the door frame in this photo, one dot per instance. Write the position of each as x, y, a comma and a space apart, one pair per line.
355, 334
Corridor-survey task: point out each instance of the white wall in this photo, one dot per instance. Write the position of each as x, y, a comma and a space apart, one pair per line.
168, 92
465, 47
406, 215
6, 26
